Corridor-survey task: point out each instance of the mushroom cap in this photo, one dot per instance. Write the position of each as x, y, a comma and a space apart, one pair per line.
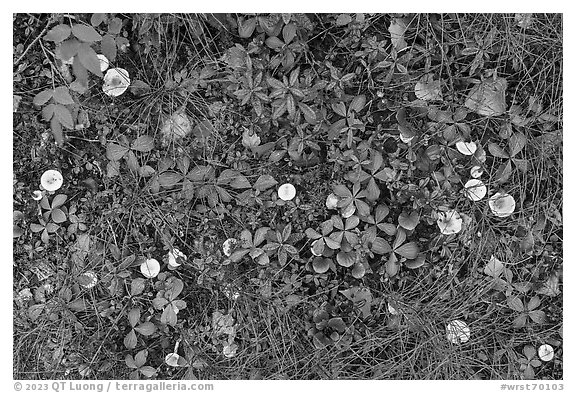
457, 332
286, 192
173, 257
116, 81
150, 268
230, 350
173, 360
51, 180
502, 204
476, 171
449, 222
228, 245
475, 190
104, 63
37, 195
546, 352
332, 201
88, 279
466, 148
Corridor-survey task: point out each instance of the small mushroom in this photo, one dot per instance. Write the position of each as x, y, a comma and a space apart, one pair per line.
466, 148
286, 192
37, 195
475, 190
457, 332
51, 180
173, 256
116, 81
150, 268
332, 201
230, 350
449, 222
104, 63
476, 171
546, 352
502, 204
88, 279
229, 245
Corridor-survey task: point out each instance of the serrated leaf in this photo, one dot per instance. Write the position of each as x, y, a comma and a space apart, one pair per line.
97, 18
89, 59
86, 33
64, 116
144, 144
62, 96
43, 97
68, 49
146, 328
343, 20
58, 33
114, 26
115, 152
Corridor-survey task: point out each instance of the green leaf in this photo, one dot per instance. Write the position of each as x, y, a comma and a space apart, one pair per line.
115, 152
309, 114
320, 265
381, 246
89, 60
86, 33
62, 96
58, 33
146, 328
97, 18
134, 316
140, 358
68, 49
246, 28
497, 151
36, 227
346, 259
59, 200
148, 371
169, 178
516, 143
537, 316
64, 116
289, 32
143, 144
43, 97
408, 250
264, 182
240, 182
357, 103
56, 129
114, 26
273, 43
515, 304
409, 221
343, 20
109, 48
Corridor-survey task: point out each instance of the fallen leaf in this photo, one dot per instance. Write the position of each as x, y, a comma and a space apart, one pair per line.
488, 98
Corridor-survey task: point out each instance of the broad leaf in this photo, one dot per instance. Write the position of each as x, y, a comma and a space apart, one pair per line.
89, 60
143, 144
64, 116
43, 97
408, 250
246, 27
58, 33
86, 33
115, 152
62, 96
108, 46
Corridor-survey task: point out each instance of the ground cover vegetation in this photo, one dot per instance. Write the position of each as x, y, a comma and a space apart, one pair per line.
287, 196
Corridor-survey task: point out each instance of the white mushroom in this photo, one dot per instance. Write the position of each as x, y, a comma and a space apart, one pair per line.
466, 148
332, 201
37, 195
449, 222
104, 63
51, 180
475, 190
88, 279
502, 204
286, 192
230, 350
546, 352
116, 81
229, 245
173, 256
150, 268
476, 171
457, 332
